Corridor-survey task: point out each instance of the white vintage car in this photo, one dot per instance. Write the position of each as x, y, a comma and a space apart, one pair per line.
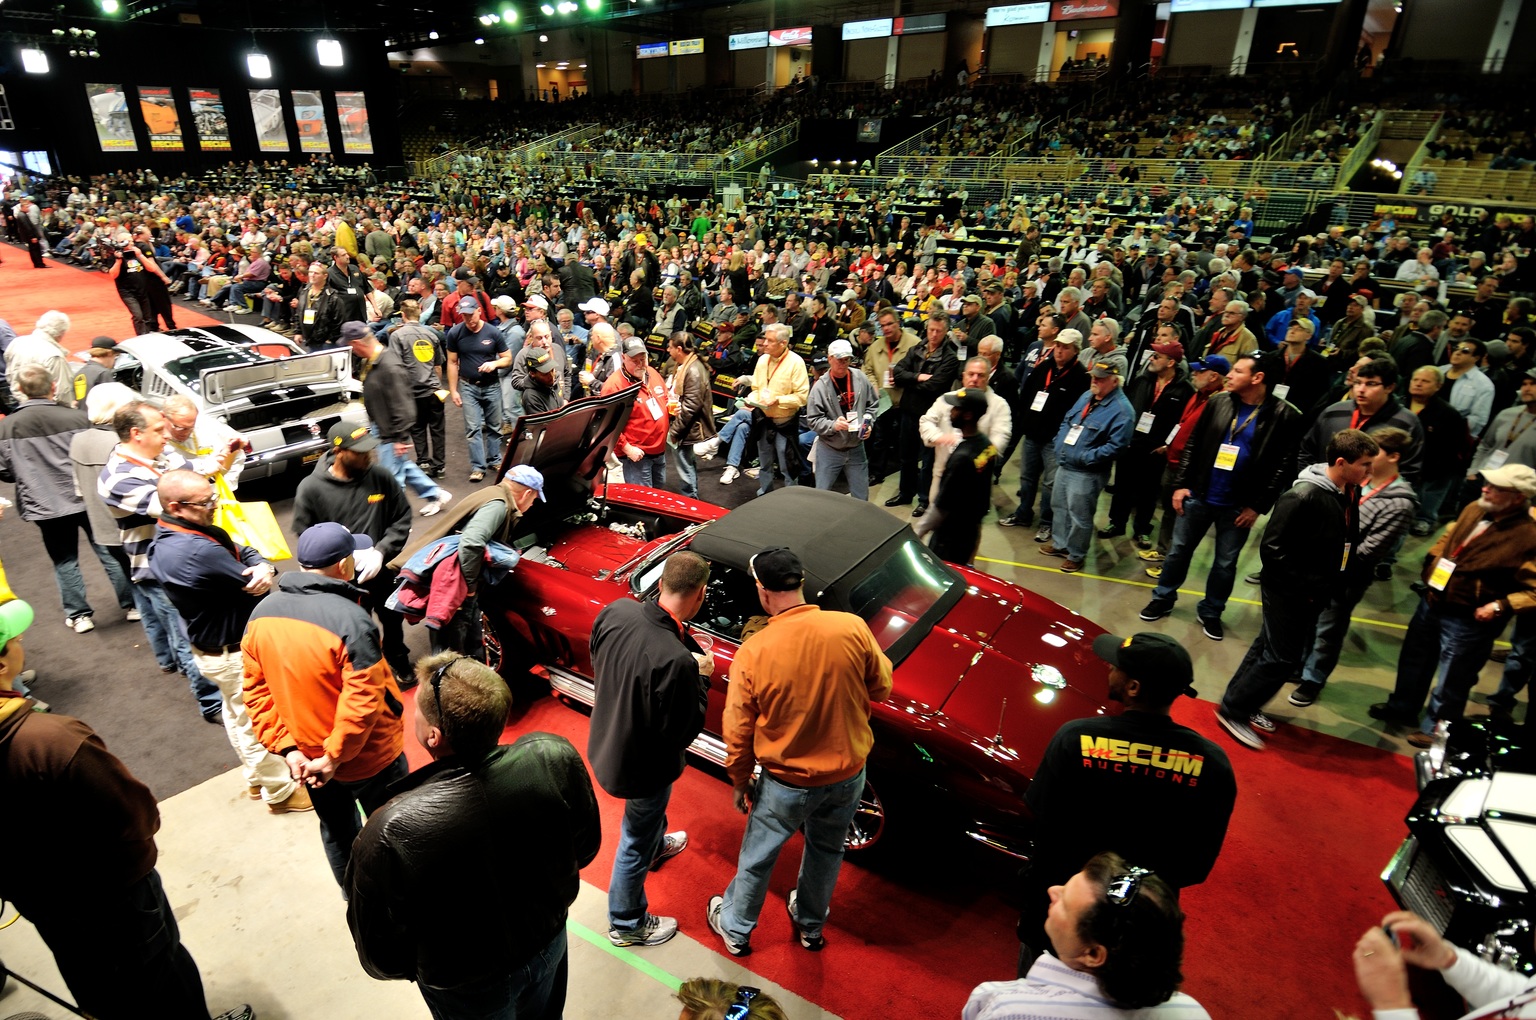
262, 384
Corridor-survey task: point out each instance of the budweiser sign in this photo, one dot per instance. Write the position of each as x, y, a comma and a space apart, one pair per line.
1072, 10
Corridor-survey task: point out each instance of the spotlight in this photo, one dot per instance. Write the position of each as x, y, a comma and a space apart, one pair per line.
34, 61
543, 38
431, 35
109, 6
582, 66
75, 32
73, 54
259, 65
548, 10
485, 19
58, 33
594, 5
508, 16
479, 41
329, 52
93, 54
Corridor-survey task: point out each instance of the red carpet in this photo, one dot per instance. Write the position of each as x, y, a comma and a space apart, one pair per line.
1316, 820
88, 298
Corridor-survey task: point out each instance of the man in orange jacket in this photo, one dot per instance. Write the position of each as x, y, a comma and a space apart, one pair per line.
319, 692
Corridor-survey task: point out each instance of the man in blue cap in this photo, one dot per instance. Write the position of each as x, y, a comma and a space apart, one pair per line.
90, 885
319, 692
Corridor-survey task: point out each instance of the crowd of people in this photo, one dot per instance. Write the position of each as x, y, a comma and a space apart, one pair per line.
1153, 345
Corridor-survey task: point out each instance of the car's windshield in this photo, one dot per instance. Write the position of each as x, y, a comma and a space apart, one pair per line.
901, 591
189, 370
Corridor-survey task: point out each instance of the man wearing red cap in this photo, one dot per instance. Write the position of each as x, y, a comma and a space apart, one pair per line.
1157, 397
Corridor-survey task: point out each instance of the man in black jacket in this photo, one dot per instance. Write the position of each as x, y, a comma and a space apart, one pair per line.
389, 397
1305, 550
345, 280
651, 690
1238, 461
1045, 397
418, 912
924, 375
351, 488
1157, 395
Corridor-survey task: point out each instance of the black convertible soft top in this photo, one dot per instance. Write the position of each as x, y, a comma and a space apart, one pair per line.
831, 533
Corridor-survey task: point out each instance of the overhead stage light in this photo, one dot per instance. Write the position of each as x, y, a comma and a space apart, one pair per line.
259, 65
329, 51
34, 61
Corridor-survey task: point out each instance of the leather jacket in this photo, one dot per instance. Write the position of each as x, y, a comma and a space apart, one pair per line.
1272, 468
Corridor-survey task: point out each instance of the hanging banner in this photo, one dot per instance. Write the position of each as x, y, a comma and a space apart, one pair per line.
208, 119
352, 111
109, 109
267, 111
159, 109
309, 114
685, 47
647, 51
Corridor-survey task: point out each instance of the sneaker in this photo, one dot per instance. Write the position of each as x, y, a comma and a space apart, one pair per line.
1157, 609
1050, 550
713, 914
1044, 534
1018, 519
730, 474
708, 448
1151, 556
1383, 572
433, 507
80, 625
1255, 578
253, 792
1306, 693
751, 472
1142, 542
1212, 627
1260, 721
1071, 566
238, 1013
812, 940
134, 616
1241, 732
477, 476
297, 801
673, 844
652, 931
1113, 531
1154, 572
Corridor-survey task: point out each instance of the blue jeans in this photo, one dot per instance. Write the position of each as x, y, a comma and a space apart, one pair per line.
1333, 627
734, 436
163, 627
528, 993
1432, 495
853, 463
337, 804
1037, 470
650, 469
1454, 646
1520, 664
640, 835
1074, 499
405, 470
482, 423
778, 812
61, 540
774, 444
1290, 618
687, 471
1188, 531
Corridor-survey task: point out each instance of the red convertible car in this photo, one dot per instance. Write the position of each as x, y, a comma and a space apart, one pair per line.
985, 671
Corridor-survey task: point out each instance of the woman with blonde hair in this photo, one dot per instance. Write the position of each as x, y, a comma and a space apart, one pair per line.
714, 999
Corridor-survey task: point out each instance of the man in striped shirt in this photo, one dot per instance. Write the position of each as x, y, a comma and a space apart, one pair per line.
127, 486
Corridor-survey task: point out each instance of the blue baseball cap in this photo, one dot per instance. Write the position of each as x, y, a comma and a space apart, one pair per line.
1211, 363
528, 476
328, 543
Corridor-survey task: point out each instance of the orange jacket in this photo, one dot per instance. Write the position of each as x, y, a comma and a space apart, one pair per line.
316, 680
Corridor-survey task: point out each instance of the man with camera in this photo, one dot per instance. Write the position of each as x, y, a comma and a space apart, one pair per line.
132, 270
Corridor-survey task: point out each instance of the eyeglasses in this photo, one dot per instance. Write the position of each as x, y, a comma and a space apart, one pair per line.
743, 1004
437, 686
1122, 888
207, 504
1466, 350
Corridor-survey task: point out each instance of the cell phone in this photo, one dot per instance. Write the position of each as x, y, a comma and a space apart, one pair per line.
1392, 937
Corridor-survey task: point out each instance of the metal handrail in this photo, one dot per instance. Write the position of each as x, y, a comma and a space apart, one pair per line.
1352, 163
907, 145
753, 149
1419, 155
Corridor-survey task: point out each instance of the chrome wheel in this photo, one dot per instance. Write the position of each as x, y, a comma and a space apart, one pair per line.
868, 823
494, 655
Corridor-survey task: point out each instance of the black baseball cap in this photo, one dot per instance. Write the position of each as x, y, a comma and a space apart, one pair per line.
777, 569
346, 436
1156, 660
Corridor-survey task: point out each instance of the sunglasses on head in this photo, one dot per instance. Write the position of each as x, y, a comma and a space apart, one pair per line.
1122, 888
437, 686
739, 1009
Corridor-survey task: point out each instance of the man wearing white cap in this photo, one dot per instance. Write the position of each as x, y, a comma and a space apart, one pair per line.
841, 411
595, 309
1480, 572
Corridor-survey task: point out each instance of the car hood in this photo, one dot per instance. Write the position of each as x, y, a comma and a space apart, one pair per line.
1019, 667
570, 446
269, 378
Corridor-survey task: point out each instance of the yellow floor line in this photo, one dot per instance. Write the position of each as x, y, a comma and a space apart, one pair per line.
1182, 591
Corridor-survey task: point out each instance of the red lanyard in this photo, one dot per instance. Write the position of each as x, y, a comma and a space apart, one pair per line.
1378, 488
1088, 409
1481, 526
1157, 392
1355, 419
